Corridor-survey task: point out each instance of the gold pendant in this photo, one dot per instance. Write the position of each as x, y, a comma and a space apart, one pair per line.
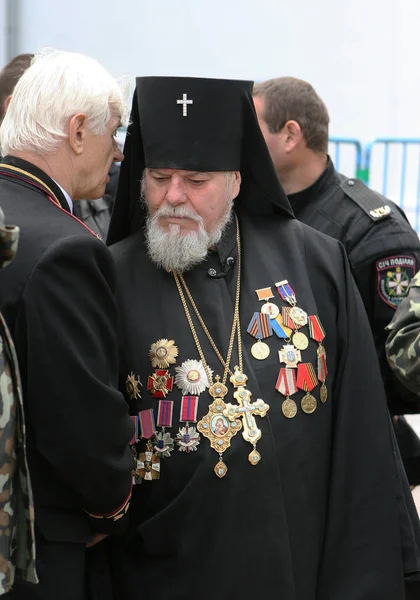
254, 457
289, 408
308, 404
260, 350
219, 430
238, 378
300, 340
218, 389
220, 469
323, 393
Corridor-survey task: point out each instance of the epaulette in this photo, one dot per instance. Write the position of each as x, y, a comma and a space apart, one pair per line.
372, 203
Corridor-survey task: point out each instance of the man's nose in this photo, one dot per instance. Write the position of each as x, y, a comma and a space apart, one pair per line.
176, 192
118, 155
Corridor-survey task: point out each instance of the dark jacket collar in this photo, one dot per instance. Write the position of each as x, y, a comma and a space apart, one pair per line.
36, 172
300, 199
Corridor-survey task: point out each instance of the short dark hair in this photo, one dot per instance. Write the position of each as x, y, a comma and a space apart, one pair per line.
291, 99
10, 75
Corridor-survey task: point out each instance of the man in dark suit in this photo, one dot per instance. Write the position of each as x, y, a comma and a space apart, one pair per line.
57, 139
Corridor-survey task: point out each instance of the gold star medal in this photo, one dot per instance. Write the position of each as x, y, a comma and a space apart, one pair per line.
163, 353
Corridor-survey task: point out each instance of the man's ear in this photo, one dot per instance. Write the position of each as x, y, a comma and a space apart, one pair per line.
236, 185
293, 134
77, 132
6, 103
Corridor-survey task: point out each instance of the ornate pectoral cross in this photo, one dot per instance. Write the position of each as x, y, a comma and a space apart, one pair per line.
246, 410
216, 427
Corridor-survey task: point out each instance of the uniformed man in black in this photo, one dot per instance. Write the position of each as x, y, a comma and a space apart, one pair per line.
264, 454
383, 249
57, 139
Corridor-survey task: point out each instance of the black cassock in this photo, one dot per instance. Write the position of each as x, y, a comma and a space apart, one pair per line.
323, 515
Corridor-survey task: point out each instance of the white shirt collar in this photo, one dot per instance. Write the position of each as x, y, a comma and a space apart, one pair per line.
67, 197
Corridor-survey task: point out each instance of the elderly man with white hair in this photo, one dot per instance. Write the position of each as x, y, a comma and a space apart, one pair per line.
58, 140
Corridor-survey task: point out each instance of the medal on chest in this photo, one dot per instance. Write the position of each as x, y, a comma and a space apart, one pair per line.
289, 323
148, 463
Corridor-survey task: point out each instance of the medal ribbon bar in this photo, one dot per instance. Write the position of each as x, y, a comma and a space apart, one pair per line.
189, 407
306, 377
322, 367
260, 326
286, 382
147, 423
286, 292
165, 413
136, 430
264, 293
316, 330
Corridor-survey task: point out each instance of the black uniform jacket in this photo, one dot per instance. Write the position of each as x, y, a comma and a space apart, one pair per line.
383, 250
57, 299
318, 517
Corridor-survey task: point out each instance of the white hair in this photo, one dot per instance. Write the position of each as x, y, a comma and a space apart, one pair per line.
52, 90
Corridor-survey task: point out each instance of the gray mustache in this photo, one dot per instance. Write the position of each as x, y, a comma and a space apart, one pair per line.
178, 211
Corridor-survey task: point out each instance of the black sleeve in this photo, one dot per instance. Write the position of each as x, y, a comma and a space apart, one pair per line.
80, 419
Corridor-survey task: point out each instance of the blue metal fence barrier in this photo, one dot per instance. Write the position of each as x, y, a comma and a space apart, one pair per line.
392, 166
353, 160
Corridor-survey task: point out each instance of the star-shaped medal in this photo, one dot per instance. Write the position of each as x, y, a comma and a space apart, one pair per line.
163, 353
191, 378
187, 439
163, 445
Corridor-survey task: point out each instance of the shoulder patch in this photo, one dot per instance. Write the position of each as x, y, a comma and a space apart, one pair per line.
394, 276
372, 203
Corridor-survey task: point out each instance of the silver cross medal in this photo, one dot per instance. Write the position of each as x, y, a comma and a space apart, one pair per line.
184, 103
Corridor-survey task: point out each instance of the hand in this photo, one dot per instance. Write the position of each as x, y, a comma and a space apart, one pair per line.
98, 537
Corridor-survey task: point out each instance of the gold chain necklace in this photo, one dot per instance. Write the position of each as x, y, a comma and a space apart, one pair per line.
223, 421
236, 325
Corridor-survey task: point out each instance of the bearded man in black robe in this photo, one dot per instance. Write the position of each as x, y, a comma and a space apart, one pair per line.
232, 309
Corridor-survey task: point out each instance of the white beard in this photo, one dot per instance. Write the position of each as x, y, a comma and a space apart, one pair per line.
170, 250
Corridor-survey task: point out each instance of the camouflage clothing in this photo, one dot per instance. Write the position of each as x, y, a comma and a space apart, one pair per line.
17, 539
403, 344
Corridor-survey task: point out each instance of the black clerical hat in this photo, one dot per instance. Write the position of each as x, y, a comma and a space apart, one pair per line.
197, 125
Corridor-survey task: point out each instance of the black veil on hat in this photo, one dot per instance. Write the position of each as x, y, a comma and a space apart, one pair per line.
195, 124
